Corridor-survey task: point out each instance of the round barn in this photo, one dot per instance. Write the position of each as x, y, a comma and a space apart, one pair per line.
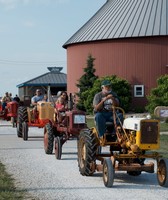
128, 38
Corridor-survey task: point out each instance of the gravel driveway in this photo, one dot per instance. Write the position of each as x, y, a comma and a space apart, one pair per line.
46, 178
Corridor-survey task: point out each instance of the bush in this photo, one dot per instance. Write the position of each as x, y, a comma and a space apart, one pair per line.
158, 95
139, 109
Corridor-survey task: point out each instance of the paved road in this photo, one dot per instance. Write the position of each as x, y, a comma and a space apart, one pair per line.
47, 178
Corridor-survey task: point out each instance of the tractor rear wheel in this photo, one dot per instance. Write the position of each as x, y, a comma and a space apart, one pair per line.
58, 147
22, 117
48, 139
87, 148
108, 172
19, 129
25, 130
162, 172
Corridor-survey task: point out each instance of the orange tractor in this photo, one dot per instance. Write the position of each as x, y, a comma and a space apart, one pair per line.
29, 116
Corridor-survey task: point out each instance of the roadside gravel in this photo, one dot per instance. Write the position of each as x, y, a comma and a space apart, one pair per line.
46, 178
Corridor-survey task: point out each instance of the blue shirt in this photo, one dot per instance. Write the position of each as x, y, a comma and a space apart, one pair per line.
36, 98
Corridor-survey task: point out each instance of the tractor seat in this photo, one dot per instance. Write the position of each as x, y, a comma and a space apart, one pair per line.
111, 137
110, 132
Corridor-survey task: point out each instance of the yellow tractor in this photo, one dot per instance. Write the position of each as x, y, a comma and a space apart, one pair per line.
132, 146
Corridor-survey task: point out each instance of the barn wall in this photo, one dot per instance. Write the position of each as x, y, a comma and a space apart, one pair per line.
139, 60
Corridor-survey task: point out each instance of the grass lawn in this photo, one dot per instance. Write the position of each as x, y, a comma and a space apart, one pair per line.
163, 146
164, 127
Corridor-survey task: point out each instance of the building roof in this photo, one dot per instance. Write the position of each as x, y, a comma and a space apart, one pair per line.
124, 19
53, 78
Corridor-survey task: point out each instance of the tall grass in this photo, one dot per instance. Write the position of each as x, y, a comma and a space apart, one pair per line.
7, 187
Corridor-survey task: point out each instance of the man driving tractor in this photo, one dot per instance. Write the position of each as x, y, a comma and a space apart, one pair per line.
38, 97
102, 103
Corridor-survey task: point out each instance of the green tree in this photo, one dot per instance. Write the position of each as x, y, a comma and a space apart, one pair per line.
120, 86
159, 95
86, 81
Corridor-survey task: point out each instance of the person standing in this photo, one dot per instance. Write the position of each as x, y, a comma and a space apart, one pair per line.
10, 95
5, 99
16, 98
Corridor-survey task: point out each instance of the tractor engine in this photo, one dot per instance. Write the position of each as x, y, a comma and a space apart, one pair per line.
41, 113
45, 110
140, 134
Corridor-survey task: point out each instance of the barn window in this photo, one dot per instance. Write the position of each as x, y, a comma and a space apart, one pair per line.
138, 90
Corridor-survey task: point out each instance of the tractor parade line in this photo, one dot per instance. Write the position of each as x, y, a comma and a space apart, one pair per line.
45, 177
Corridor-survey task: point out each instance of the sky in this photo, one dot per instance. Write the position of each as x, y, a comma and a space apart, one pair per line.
32, 33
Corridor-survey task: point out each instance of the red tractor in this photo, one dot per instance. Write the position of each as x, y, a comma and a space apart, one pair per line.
10, 112
56, 134
29, 116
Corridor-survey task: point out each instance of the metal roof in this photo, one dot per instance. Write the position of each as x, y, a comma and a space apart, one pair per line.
52, 78
123, 19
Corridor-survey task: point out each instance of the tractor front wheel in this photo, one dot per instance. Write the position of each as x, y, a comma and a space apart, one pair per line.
162, 172
48, 139
58, 147
108, 172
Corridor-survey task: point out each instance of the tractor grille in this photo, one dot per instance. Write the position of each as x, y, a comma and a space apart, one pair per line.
79, 126
149, 132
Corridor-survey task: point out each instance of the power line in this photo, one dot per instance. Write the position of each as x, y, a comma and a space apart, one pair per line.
2, 61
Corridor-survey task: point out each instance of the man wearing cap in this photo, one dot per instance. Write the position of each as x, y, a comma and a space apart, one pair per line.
102, 104
37, 97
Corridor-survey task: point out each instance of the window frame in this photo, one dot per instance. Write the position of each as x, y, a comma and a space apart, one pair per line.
136, 92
